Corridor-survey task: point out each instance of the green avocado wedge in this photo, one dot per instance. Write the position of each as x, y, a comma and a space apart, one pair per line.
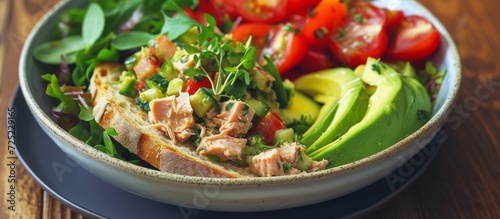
345, 102
397, 108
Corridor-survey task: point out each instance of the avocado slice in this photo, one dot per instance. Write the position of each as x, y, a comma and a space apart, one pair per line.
345, 102
350, 109
301, 108
398, 107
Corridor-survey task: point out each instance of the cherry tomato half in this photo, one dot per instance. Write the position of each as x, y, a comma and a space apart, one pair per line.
300, 7
258, 31
270, 11
286, 48
362, 36
217, 8
315, 60
324, 20
268, 126
394, 18
414, 40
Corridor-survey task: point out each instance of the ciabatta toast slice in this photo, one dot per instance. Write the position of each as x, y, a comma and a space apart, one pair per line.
111, 109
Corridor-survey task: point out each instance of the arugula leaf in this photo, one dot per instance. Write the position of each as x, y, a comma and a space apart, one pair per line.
67, 104
85, 113
110, 147
178, 25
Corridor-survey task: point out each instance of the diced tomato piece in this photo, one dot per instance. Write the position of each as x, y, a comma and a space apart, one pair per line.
146, 67
193, 85
140, 86
268, 126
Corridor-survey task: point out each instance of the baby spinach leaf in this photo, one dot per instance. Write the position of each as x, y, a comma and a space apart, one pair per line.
108, 55
80, 131
51, 52
132, 39
93, 24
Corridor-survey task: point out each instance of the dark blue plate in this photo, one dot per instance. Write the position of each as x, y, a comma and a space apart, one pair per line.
90, 196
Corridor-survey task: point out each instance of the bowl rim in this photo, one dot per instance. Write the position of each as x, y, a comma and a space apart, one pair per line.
438, 118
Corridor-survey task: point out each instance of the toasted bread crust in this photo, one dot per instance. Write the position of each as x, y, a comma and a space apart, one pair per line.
110, 109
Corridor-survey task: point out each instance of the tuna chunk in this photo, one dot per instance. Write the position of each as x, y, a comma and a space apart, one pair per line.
263, 79
289, 153
267, 163
235, 118
173, 115
318, 165
223, 146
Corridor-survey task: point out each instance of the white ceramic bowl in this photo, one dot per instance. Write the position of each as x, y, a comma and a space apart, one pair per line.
248, 194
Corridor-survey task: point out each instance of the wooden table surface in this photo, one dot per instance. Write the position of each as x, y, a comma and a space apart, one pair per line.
463, 181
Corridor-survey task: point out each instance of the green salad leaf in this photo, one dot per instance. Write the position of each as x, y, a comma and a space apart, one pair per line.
93, 24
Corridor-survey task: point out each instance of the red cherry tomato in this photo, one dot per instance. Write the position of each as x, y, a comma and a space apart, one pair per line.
324, 20
300, 7
260, 11
315, 60
217, 8
286, 48
268, 125
193, 85
258, 31
362, 36
414, 40
394, 18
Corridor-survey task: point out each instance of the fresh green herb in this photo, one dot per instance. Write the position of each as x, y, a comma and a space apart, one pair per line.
229, 106
245, 110
376, 66
287, 166
321, 33
213, 49
342, 34
289, 28
359, 18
